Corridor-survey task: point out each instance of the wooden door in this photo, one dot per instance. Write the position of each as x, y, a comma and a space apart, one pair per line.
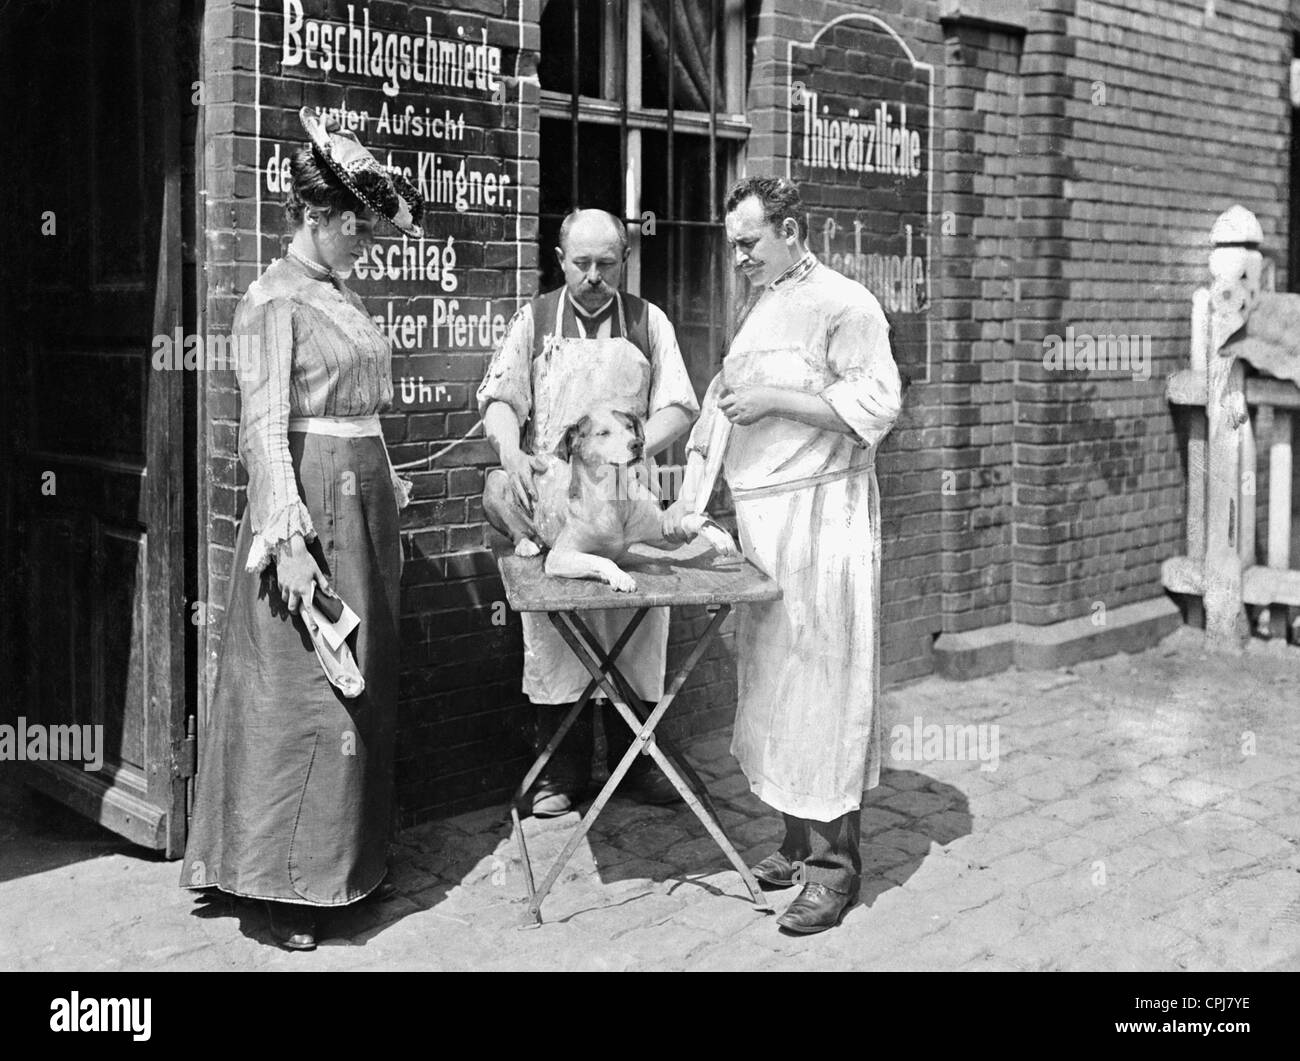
94, 489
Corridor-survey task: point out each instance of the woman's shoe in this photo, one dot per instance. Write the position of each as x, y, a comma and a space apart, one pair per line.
292, 925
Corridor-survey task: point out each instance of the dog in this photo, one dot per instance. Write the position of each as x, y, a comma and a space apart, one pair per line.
592, 506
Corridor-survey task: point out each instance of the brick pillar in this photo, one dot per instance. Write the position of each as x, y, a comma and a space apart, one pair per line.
977, 306
1047, 483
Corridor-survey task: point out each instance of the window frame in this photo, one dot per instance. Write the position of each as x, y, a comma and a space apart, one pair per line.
724, 124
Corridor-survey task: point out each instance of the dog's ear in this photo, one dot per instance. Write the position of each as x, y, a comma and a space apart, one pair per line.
564, 448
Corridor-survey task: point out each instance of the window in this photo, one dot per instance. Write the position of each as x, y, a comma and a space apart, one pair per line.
642, 115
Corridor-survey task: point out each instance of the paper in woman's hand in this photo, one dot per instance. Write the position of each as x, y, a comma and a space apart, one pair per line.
337, 630
329, 639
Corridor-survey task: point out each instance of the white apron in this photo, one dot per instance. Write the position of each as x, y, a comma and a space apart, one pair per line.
807, 731
579, 375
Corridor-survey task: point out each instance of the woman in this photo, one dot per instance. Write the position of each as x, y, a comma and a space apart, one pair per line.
295, 778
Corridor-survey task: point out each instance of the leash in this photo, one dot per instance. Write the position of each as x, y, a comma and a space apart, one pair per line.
421, 461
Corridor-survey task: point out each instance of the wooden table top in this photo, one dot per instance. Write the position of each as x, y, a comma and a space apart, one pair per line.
690, 574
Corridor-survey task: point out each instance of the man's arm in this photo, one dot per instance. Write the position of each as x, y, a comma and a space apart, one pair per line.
865, 398
501, 426
751, 404
664, 427
672, 401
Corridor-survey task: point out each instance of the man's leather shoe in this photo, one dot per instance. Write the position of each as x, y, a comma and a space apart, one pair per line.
564, 780
293, 926
816, 909
551, 799
648, 786
778, 871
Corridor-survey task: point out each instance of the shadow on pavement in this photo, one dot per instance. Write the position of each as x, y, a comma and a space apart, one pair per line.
39, 834
467, 870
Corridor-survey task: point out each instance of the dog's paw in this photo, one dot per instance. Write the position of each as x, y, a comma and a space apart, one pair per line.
527, 547
721, 541
621, 581
693, 524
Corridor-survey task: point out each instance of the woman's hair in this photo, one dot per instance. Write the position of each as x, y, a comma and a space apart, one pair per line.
314, 184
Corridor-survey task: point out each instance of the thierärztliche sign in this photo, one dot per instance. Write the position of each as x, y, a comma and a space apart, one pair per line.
861, 110
432, 95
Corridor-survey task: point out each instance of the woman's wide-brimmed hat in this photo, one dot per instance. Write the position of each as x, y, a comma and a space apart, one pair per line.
390, 195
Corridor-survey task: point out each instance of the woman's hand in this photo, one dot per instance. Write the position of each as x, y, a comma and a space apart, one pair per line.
298, 574
749, 404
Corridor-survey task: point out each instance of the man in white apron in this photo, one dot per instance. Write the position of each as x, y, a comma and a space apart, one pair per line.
565, 352
810, 388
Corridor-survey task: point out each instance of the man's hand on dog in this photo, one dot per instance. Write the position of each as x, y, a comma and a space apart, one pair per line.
682, 523
673, 516
520, 468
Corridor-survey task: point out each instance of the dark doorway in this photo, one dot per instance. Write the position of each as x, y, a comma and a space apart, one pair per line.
95, 517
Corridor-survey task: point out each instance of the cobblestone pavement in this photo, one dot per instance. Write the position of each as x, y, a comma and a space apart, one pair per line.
1143, 814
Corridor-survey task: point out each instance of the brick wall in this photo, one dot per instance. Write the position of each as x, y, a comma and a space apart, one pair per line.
1081, 151
913, 459
1163, 118
976, 381
464, 726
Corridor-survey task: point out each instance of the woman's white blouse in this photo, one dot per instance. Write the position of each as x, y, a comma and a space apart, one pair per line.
312, 350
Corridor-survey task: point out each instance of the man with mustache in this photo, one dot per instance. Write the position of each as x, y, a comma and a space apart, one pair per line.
566, 352
810, 388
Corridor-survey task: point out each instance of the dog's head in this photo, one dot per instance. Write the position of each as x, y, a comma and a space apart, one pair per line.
603, 436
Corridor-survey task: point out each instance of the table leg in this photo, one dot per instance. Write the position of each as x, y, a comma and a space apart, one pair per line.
645, 741
606, 662
633, 701
536, 769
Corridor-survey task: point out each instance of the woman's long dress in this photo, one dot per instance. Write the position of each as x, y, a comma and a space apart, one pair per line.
294, 789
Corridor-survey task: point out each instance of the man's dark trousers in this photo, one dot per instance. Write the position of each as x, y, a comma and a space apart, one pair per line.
828, 850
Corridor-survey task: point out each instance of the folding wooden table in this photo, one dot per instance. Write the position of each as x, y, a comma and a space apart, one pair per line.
690, 574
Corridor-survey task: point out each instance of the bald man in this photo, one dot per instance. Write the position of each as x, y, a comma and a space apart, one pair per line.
565, 352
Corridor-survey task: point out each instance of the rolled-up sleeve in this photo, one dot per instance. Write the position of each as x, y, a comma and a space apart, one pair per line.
509, 376
275, 509
867, 392
670, 383
709, 413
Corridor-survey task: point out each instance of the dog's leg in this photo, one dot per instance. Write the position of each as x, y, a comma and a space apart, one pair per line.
721, 541
567, 563
503, 511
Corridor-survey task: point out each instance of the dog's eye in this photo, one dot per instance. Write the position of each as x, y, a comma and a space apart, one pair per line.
606, 432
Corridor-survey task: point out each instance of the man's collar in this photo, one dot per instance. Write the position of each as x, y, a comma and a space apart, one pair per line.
589, 314
797, 271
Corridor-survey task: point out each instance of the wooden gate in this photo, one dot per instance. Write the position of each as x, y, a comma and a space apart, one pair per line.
1236, 322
